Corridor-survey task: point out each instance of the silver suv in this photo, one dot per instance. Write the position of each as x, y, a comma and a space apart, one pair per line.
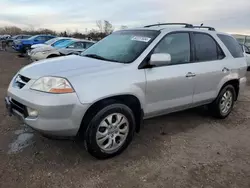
104, 94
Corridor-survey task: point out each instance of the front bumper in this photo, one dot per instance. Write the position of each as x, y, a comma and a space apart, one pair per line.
58, 114
38, 56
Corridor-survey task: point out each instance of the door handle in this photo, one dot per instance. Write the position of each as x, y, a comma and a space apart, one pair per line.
190, 74
225, 69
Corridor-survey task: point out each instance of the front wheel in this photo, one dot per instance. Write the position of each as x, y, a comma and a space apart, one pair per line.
110, 131
224, 102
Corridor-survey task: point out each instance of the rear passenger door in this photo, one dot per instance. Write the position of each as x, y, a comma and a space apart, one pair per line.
210, 67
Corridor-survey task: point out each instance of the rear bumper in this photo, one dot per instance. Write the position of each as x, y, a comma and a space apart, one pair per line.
58, 114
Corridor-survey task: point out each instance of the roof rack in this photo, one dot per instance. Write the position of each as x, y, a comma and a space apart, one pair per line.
206, 27
160, 24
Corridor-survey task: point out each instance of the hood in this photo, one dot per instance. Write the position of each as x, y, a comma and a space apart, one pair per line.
39, 45
68, 66
42, 48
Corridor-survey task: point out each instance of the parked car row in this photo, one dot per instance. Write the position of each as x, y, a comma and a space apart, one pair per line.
58, 47
40, 47
22, 45
103, 95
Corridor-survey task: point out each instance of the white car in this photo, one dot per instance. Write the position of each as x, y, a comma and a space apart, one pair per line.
49, 44
69, 47
246, 51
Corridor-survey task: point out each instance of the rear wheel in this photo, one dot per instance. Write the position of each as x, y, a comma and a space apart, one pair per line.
110, 131
224, 103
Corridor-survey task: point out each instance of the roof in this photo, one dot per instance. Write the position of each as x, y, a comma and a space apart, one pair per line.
169, 27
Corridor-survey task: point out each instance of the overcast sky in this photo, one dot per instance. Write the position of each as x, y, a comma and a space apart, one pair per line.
226, 15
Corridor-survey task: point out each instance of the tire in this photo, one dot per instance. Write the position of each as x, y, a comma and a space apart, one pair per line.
52, 56
95, 144
216, 108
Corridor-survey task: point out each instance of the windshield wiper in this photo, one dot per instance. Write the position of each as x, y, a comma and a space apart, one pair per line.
99, 57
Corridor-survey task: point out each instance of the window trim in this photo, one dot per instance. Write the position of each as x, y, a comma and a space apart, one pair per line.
217, 44
145, 63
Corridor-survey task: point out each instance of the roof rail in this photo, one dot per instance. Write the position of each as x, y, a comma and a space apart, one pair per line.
160, 24
206, 27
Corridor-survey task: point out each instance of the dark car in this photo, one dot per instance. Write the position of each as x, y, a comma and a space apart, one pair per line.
24, 44
17, 37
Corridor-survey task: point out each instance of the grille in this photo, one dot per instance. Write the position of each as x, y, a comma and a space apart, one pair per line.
19, 107
21, 81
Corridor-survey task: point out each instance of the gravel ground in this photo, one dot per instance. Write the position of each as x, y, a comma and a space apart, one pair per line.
186, 149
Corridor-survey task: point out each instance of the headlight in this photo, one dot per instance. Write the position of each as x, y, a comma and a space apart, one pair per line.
52, 85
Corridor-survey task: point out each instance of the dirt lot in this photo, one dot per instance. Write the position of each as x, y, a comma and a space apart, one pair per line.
186, 149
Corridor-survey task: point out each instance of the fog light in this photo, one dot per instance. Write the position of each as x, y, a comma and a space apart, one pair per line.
32, 112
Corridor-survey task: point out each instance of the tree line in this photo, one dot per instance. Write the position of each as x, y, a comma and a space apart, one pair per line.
104, 28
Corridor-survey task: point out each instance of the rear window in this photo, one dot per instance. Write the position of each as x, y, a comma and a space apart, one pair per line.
232, 45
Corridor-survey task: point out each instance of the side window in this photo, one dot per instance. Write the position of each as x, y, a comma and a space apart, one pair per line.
206, 48
79, 45
177, 45
88, 44
232, 45
48, 38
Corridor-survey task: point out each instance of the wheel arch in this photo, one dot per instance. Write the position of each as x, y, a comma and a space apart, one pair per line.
235, 83
130, 100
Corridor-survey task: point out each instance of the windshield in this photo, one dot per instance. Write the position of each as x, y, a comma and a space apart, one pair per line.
33, 37
59, 42
51, 41
122, 46
64, 44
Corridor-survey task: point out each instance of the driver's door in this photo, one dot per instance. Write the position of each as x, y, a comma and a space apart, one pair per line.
170, 88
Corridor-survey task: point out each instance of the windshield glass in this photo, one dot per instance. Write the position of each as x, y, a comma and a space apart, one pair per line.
33, 37
122, 46
59, 42
51, 41
64, 44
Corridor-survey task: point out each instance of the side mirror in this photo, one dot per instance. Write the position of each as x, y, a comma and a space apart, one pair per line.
160, 59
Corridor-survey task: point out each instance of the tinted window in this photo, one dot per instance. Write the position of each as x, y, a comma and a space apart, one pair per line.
177, 45
26, 36
49, 37
206, 48
88, 44
232, 45
79, 45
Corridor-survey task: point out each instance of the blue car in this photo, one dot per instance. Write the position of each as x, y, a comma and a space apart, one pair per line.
25, 44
